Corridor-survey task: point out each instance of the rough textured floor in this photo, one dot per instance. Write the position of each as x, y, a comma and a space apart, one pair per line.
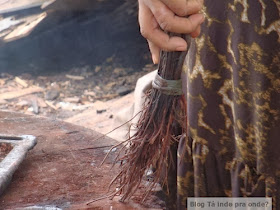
63, 169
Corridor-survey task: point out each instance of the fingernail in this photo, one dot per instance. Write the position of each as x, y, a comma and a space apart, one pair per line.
181, 48
202, 19
155, 61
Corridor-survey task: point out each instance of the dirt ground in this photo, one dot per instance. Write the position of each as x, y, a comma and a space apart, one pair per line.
83, 96
63, 170
69, 92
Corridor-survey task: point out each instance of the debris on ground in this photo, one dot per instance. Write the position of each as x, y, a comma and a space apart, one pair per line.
66, 97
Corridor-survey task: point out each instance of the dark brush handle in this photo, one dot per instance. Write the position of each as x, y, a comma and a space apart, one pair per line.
171, 63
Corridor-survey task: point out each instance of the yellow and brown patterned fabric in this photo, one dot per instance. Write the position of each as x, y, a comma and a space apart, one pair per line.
233, 92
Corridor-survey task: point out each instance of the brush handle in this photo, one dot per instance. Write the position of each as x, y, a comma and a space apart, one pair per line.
171, 63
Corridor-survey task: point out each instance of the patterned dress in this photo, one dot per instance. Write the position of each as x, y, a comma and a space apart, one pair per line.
233, 91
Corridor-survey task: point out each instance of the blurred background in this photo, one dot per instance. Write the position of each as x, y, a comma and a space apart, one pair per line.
62, 58
40, 36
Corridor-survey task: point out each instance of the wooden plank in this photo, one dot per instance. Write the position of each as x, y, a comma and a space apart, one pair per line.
21, 82
26, 28
19, 93
8, 6
74, 77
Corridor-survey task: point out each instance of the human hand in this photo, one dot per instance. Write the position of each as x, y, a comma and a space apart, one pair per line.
156, 17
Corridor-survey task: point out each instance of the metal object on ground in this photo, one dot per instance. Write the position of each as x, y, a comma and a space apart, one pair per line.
21, 145
39, 208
